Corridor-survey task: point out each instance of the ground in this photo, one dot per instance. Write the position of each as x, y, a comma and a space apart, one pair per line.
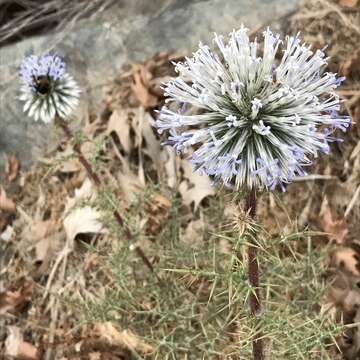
72, 287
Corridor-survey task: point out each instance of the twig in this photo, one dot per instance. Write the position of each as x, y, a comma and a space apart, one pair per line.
352, 202
253, 273
63, 255
97, 182
55, 309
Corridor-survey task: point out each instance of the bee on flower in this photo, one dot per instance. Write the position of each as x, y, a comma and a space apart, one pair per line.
264, 112
47, 89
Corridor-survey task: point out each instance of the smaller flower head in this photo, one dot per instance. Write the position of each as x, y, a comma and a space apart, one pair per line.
47, 89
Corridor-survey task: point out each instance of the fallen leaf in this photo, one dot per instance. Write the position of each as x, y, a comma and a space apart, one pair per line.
196, 188
194, 231
6, 204
67, 162
129, 184
85, 219
152, 144
119, 123
95, 356
350, 66
124, 338
171, 167
157, 209
7, 234
12, 300
140, 87
348, 259
91, 260
48, 237
12, 166
17, 348
348, 3
336, 230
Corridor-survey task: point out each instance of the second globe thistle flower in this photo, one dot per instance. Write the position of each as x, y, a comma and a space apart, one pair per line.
261, 119
47, 89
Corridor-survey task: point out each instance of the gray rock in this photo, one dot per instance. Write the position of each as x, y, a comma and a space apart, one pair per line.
97, 48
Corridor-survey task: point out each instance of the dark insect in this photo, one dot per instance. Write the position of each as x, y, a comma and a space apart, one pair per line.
42, 84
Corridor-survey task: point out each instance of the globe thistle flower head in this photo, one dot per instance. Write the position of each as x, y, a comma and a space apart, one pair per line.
263, 112
47, 89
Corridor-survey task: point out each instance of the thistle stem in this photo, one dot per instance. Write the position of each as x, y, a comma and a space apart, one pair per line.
98, 183
253, 273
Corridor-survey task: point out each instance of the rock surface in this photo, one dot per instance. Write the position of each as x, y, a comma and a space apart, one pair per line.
97, 48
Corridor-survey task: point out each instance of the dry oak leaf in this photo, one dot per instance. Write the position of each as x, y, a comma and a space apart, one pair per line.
91, 260
153, 147
68, 162
119, 123
141, 87
12, 166
125, 338
6, 204
85, 219
17, 348
11, 301
336, 230
348, 3
157, 209
48, 237
348, 259
194, 231
199, 188
7, 234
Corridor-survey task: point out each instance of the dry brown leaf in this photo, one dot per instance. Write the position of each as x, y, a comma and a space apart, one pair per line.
336, 230
194, 231
141, 88
91, 260
68, 162
124, 338
12, 166
95, 356
153, 148
47, 237
7, 234
351, 301
348, 259
348, 3
6, 204
119, 123
129, 183
11, 301
82, 220
41, 229
197, 187
172, 165
350, 66
157, 209
17, 348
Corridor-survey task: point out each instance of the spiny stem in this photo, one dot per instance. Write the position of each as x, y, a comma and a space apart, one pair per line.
97, 182
253, 273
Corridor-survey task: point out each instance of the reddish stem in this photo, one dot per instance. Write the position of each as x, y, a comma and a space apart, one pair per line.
96, 180
253, 273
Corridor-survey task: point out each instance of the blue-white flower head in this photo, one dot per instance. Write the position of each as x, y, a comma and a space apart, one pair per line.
47, 89
263, 114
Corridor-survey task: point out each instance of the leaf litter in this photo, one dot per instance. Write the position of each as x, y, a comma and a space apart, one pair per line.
54, 209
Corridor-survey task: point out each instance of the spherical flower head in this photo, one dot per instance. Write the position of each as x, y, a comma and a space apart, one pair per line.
47, 89
263, 112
